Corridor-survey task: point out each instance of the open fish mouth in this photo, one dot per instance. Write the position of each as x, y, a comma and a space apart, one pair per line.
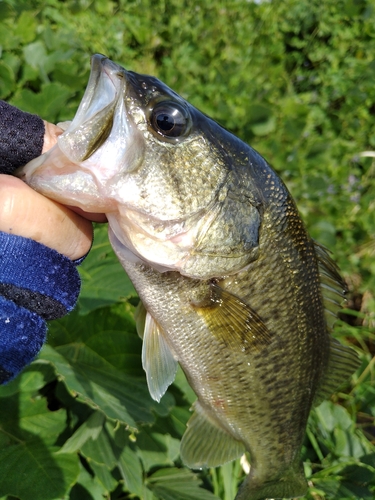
94, 119
101, 129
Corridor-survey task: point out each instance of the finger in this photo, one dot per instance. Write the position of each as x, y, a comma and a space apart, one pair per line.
89, 215
25, 212
50, 136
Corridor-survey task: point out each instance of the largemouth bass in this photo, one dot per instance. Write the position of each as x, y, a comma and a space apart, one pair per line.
234, 289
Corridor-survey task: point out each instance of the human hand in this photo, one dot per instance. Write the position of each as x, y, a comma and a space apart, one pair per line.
51, 134
36, 283
24, 212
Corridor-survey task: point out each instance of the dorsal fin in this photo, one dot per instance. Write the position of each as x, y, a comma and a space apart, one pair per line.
333, 286
343, 360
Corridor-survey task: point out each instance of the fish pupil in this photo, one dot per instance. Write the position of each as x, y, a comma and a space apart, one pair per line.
165, 123
170, 119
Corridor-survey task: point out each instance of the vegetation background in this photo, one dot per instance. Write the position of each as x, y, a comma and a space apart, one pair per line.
295, 79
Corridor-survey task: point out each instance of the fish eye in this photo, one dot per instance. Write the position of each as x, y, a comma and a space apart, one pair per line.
170, 119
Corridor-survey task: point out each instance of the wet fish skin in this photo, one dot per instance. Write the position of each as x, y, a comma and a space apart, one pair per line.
262, 396
229, 277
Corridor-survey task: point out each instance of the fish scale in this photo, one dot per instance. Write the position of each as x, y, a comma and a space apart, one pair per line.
232, 286
241, 414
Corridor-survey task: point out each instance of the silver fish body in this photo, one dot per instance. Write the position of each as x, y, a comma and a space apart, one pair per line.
234, 289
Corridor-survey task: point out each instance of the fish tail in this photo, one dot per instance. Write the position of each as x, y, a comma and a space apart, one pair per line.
290, 484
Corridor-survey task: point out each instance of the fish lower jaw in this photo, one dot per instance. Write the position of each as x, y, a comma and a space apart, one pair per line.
161, 258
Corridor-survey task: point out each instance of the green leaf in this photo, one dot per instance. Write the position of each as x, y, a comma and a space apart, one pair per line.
90, 429
26, 27
35, 54
23, 415
29, 74
352, 491
87, 487
104, 280
100, 450
330, 486
104, 476
119, 396
178, 484
7, 80
7, 39
175, 423
31, 471
47, 103
156, 449
5, 11
331, 416
87, 372
348, 444
120, 348
261, 119
101, 453
34, 377
131, 471
358, 473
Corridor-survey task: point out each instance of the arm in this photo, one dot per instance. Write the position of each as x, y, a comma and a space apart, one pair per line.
38, 239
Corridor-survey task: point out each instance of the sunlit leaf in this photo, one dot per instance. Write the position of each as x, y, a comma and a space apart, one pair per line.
131, 471
26, 27
90, 429
100, 450
24, 415
35, 54
47, 103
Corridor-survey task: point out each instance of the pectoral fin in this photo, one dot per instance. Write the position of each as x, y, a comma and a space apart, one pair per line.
232, 321
205, 444
158, 360
140, 319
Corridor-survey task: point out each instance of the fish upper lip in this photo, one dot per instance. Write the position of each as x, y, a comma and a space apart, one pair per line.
111, 69
103, 92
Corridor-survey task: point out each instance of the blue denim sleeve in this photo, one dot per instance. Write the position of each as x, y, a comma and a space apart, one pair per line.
36, 284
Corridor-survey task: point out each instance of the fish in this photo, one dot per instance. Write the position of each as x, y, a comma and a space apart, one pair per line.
232, 287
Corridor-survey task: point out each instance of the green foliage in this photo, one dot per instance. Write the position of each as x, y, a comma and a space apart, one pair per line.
295, 80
